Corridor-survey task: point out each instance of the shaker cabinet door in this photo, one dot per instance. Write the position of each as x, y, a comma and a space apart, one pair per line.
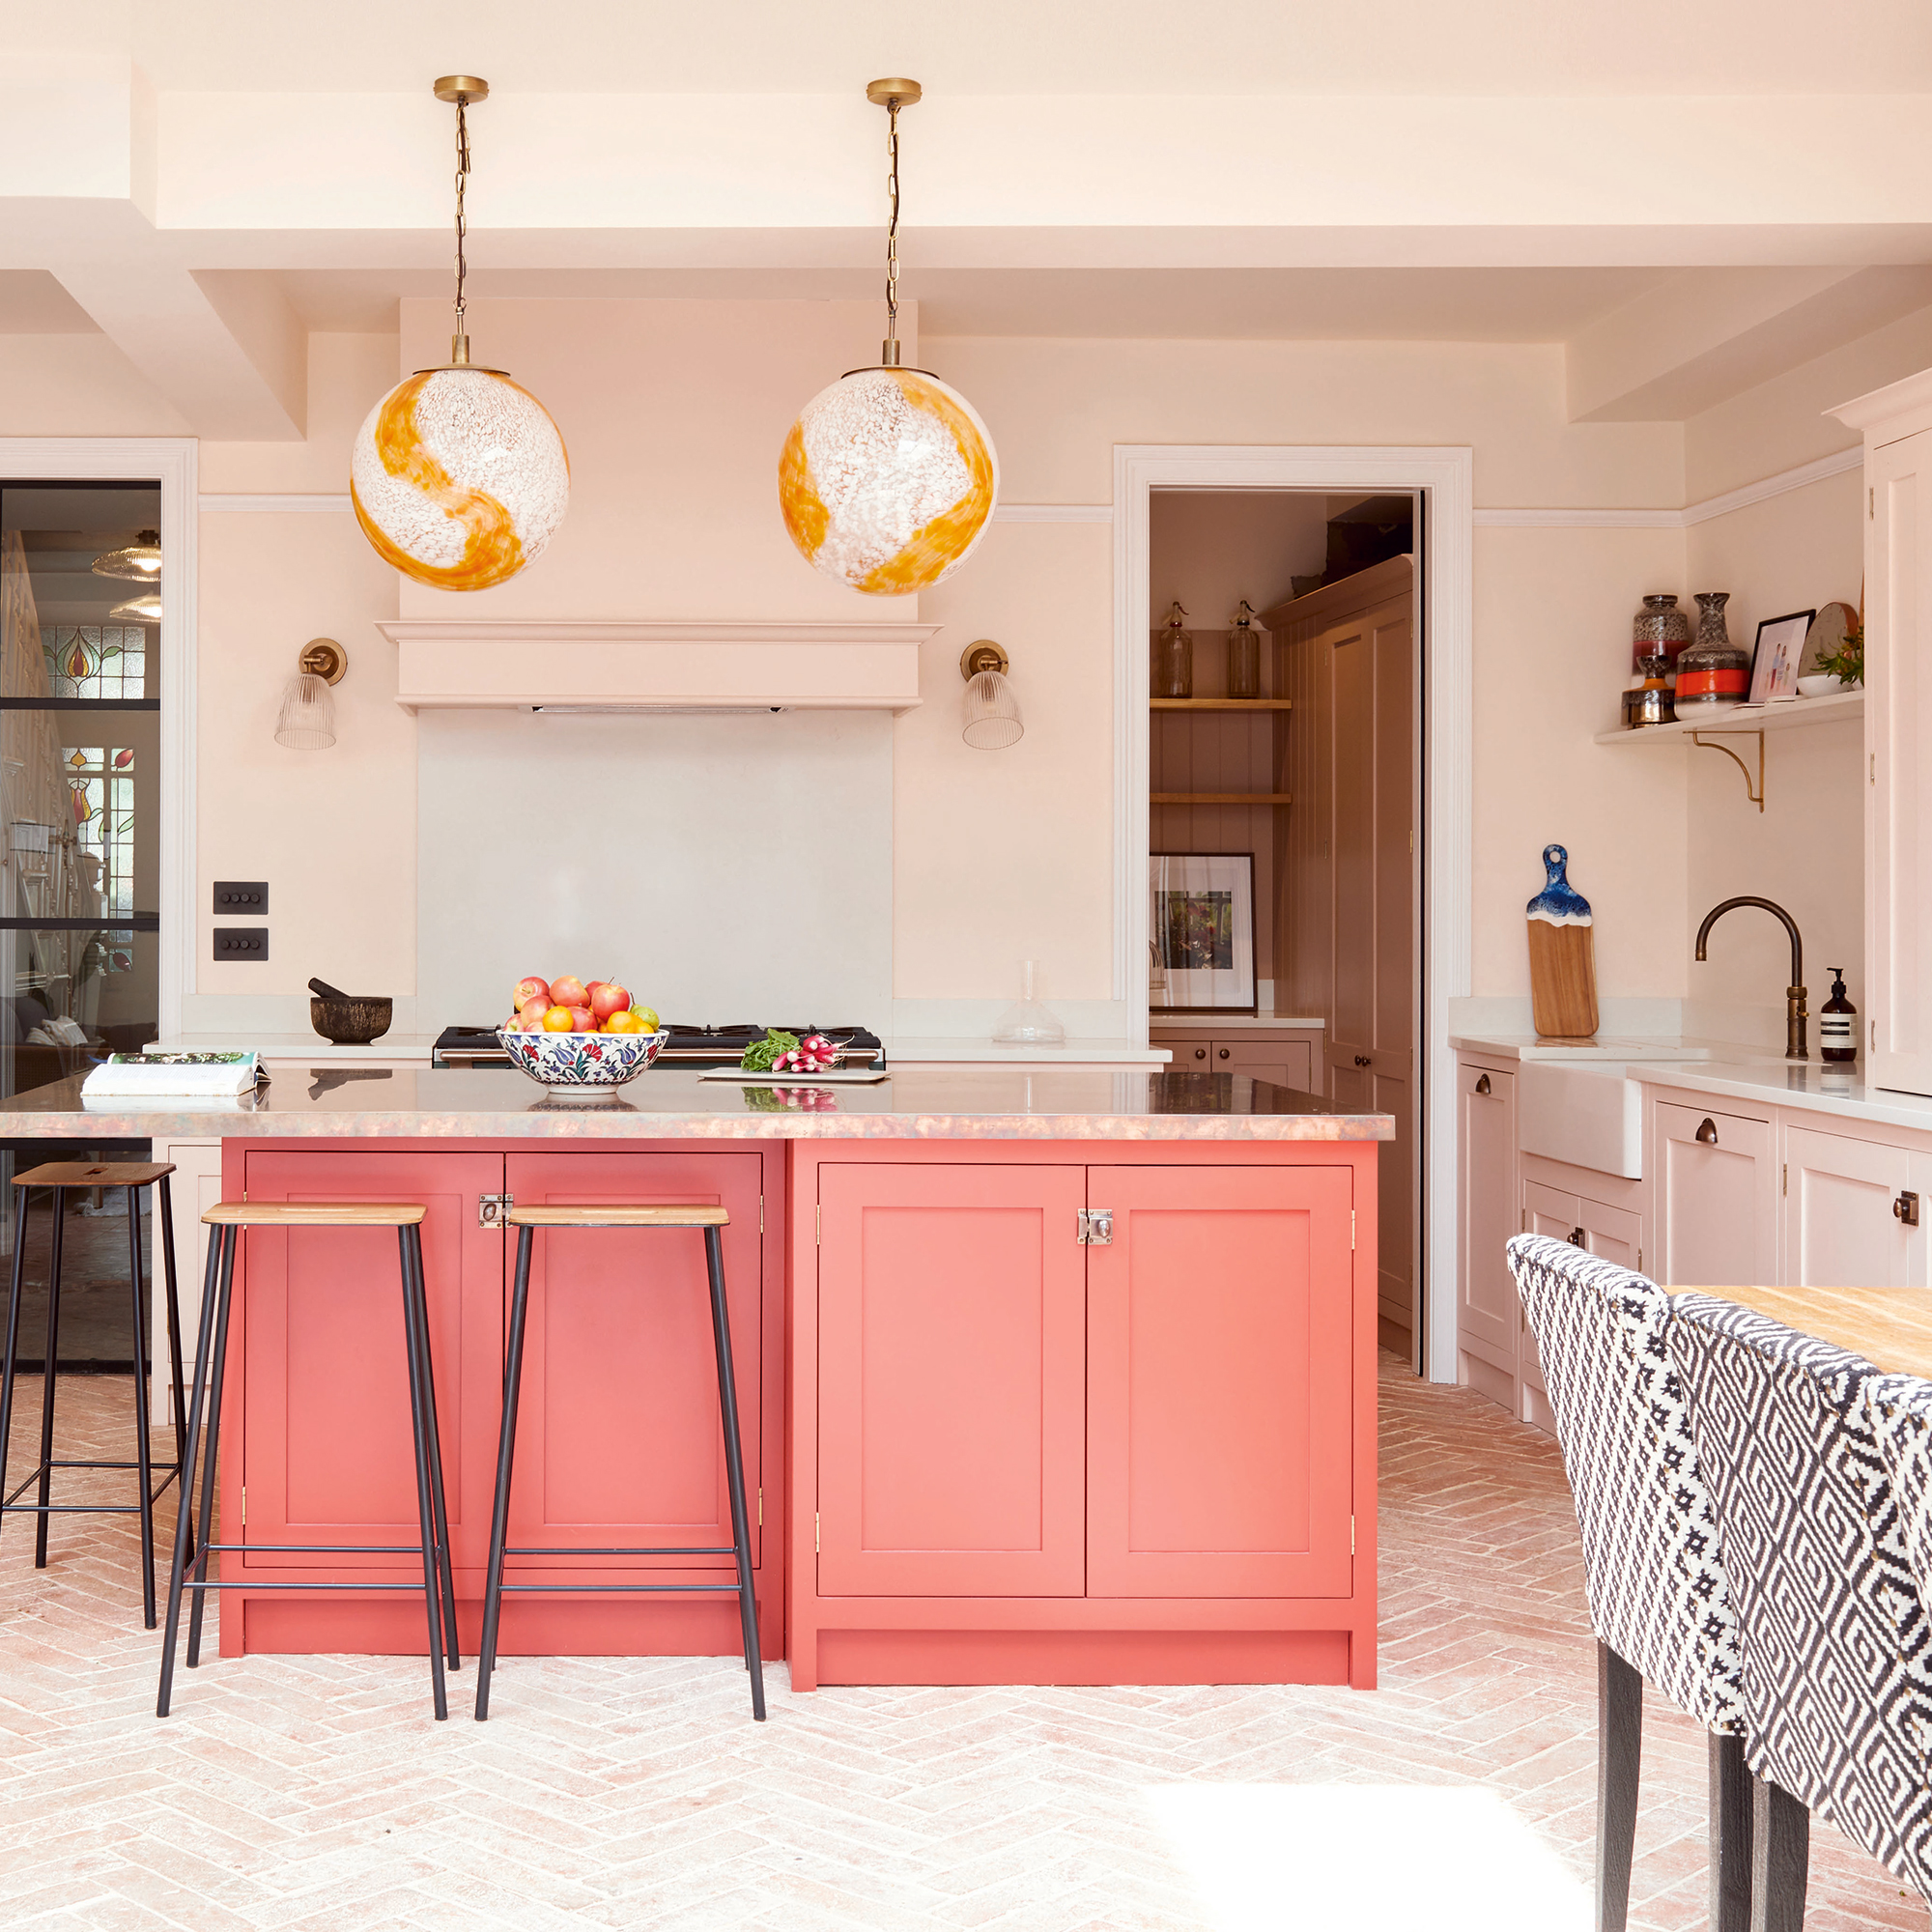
1717, 1199
1841, 1224
1486, 1308
325, 1388
1221, 1323
951, 1380
618, 1436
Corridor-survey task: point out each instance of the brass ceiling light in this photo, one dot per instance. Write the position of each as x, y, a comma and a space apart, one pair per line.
458, 476
140, 560
887, 478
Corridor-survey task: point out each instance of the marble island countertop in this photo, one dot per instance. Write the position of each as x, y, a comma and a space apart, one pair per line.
489, 1104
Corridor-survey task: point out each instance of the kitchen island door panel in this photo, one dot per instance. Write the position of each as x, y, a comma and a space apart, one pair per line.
618, 1437
950, 1381
325, 1418
1219, 1419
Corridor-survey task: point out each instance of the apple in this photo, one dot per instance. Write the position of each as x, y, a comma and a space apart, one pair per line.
533, 1009
559, 1020
569, 991
527, 990
582, 1021
606, 1000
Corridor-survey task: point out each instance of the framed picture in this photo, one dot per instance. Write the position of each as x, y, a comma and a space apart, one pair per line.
1202, 932
1781, 648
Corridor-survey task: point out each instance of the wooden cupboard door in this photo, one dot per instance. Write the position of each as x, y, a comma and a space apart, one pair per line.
952, 1369
1840, 1227
1485, 1315
1220, 1326
1287, 1062
618, 1436
1717, 1199
1899, 748
326, 1402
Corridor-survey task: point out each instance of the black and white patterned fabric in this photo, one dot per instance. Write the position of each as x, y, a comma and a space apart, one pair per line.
1838, 1649
1901, 1416
1653, 1571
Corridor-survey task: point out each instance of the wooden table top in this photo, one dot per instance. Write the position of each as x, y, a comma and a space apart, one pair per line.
1890, 1326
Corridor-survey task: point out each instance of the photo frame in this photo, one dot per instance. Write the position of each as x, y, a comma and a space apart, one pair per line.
1202, 932
1776, 658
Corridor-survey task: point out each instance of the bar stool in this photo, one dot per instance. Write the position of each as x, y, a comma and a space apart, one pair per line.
60, 1175
1659, 1596
527, 1221
229, 1218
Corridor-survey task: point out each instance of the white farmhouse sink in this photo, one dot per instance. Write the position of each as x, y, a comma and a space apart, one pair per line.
1585, 1112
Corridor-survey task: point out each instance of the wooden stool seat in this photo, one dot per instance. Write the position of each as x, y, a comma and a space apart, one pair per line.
94, 1174
316, 1214
619, 1214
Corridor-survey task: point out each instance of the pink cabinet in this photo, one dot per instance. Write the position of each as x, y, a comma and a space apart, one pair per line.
951, 1380
618, 1439
1060, 1419
1487, 1318
1219, 1455
1716, 1197
1842, 1222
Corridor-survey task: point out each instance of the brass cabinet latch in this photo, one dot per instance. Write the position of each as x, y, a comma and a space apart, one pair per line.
491, 1209
1097, 1228
1906, 1207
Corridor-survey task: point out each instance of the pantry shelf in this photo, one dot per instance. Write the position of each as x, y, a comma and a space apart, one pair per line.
1221, 704
1221, 798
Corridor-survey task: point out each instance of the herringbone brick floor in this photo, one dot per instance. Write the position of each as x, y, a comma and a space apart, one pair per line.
296, 1793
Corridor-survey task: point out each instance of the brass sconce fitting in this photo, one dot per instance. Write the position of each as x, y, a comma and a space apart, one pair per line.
324, 658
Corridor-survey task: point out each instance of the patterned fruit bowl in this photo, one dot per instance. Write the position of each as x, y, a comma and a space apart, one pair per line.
582, 1066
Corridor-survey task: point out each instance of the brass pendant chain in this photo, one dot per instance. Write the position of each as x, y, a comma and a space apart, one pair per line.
891, 352
459, 346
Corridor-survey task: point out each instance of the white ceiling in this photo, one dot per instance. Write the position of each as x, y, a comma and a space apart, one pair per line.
1156, 47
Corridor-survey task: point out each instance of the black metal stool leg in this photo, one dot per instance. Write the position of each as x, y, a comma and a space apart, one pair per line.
13, 1339
506, 1447
141, 1450
412, 1324
191, 1443
217, 1368
438, 1498
165, 1212
47, 1370
734, 1467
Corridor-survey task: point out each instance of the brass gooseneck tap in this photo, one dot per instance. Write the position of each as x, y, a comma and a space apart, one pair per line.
1794, 994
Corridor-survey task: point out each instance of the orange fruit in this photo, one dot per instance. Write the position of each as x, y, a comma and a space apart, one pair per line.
559, 1020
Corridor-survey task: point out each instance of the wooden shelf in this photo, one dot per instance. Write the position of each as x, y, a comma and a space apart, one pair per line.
1221, 704
1220, 798
1833, 709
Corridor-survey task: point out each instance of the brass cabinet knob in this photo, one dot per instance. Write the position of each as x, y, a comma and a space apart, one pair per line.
1201, 1053
1483, 1083
1224, 1053
1708, 1132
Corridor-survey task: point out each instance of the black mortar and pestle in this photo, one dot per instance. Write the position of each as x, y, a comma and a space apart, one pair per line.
348, 1020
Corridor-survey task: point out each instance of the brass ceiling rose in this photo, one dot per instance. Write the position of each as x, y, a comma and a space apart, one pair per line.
324, 658
983, 654
458, 89
891, 93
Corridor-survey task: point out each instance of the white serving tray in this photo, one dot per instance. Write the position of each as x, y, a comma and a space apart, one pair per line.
858, 1077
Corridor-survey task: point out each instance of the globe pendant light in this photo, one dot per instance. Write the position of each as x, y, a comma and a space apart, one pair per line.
887, 478
458, 476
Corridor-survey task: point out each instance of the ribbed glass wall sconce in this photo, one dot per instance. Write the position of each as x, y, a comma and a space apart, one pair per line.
307, 720
993, 719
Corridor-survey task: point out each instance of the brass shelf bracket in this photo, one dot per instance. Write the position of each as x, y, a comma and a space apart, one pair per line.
1757, 797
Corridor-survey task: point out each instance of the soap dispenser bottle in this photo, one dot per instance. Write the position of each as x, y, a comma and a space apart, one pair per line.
1837, 1022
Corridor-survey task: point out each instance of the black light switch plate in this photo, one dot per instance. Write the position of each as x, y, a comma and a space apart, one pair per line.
242, 898
242, 942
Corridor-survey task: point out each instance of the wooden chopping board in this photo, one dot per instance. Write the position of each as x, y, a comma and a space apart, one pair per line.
1562, 955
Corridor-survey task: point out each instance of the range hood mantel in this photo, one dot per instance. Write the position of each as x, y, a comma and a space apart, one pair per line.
511, 664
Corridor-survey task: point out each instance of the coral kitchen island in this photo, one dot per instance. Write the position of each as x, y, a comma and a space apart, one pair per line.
1053, 1378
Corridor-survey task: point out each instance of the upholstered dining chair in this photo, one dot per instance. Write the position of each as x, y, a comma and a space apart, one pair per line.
1833, 1633
1658, 1599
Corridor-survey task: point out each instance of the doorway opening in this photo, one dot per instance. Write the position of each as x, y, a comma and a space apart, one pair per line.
1285, 802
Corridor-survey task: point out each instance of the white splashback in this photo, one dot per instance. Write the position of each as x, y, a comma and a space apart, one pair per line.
723, 869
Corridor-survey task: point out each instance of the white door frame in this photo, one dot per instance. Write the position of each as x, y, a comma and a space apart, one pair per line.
171, 461
1445, 475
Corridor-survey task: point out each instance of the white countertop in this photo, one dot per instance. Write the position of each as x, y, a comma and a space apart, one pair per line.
985, 1053
1798, 1083
1161, 1022
1602, 1046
